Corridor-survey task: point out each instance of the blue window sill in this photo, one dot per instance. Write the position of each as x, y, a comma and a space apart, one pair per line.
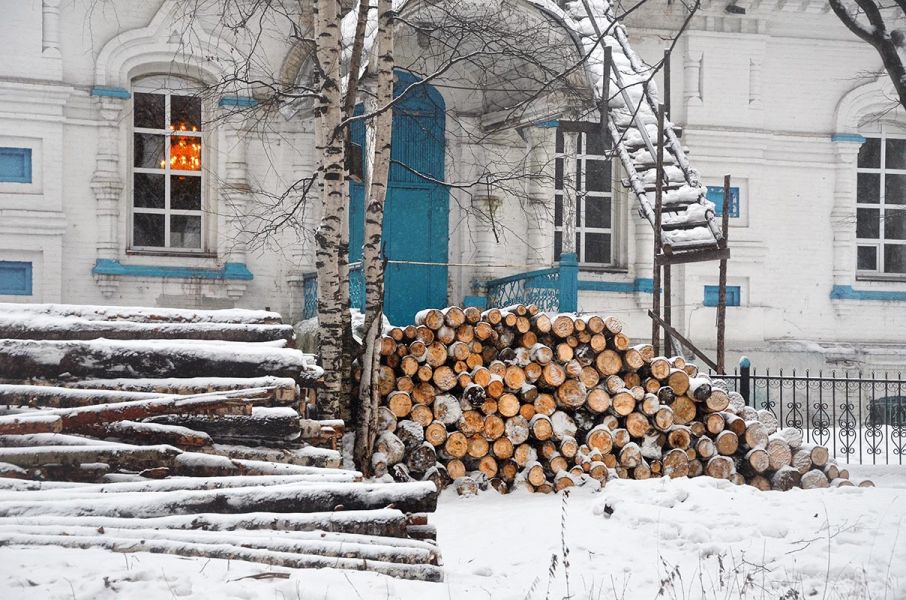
229, 271
846, 292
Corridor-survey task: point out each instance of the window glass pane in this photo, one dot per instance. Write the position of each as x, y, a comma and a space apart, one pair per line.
558, 242
148, 110
148, 230
558, 210
579, 211
869, 188
597, 173
149, 151
597, 212
895, 224
597, 248
868, 221
558, 173
148, 190
185, 153
185, 192
594, 144
867, 258
895, 189
895, 154
870, 154
579, 174
185, 231
185, 113
894, 258
559, 142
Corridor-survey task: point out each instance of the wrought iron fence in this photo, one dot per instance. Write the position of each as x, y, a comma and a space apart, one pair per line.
541, 288
310, 291
859, 417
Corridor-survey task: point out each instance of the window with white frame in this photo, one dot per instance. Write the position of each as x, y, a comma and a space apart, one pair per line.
881, 205
594, 198
167, 159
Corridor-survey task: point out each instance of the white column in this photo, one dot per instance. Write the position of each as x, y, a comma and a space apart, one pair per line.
50, 44
539, 207
235, 200
107, 186
570, 142
843, 213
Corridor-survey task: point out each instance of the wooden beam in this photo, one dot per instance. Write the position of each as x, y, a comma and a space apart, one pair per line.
658, 206
722, 284
660, 322
695, 256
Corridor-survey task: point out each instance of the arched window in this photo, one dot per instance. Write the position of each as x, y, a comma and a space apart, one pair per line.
881, 202
168, 164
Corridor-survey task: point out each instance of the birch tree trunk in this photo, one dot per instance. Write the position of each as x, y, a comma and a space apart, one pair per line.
331, 301
372, 261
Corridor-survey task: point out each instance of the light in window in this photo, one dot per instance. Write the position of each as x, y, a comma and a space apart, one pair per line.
185, 113
185, 153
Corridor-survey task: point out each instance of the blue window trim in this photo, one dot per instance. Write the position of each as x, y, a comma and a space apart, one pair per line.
15, 268
10, 171
853, 138
229, 271
712, 293
846, 292
715, 193
111, 92
237, 101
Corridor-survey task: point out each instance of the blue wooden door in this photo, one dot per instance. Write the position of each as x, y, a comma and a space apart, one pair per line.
416, 213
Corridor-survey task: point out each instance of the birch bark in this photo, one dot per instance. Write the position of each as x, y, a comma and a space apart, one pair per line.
329, 236
379, 134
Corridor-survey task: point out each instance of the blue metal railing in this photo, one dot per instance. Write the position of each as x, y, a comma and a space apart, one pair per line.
554, 289
310, 291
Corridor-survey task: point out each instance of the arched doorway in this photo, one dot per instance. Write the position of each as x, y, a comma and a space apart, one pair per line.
416, 212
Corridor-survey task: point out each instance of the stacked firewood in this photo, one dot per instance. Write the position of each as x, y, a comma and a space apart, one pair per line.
195, 448
515, 396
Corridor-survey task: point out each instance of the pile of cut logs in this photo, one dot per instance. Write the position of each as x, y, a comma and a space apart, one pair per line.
197, 448
515, 396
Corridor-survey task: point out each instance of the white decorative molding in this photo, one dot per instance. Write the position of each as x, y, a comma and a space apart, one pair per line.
692, 74
50, 25
107, 186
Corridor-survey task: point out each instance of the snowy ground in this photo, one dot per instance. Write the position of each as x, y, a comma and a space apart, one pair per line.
696, 538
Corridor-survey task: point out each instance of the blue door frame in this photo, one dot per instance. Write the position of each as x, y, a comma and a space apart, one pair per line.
416, 212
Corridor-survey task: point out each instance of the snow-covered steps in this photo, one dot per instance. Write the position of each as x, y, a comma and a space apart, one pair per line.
692, 225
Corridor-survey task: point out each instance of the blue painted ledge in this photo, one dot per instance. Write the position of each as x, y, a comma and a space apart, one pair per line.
237, 101
110, 92
645, 286
229, 271
846, 292
854, 138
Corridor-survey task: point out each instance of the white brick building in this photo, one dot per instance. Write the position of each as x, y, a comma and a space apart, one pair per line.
782, 98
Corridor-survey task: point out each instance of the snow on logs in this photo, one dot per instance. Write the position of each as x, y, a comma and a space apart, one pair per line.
514, 396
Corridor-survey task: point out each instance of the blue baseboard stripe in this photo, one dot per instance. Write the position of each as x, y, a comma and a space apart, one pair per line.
229, 271
645, 286
846, 292
237, 101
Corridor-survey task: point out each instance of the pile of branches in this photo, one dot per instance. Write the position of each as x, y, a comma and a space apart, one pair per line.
515, 396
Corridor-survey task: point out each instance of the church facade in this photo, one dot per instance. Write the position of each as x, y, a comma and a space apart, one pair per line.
120, 184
